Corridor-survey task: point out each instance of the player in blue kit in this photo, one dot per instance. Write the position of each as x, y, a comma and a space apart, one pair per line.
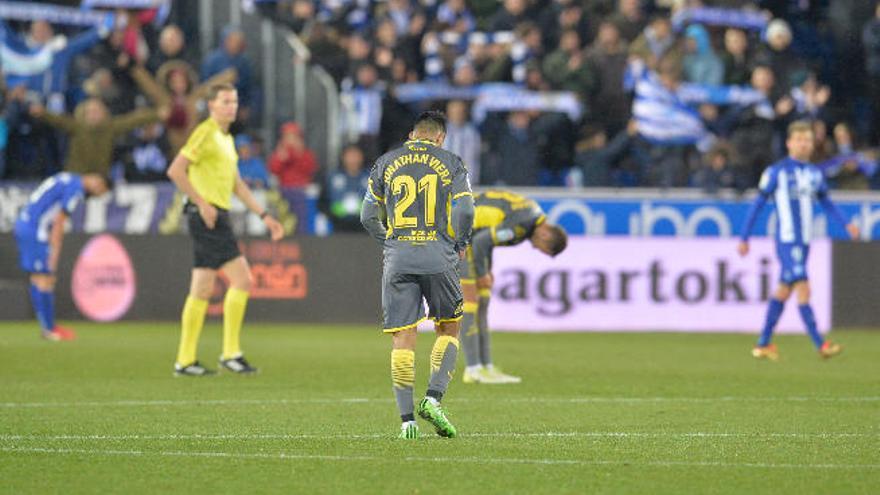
39, 231
793, 183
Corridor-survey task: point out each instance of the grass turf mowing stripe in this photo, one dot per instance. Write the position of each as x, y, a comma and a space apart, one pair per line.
307, 436
634, 400
475, 460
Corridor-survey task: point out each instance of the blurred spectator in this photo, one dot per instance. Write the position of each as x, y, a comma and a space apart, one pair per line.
358, 49
555, 135
809, 97
454, 15
297, 14
134, 45
669, 159
230, 55
172, 46
871, 43
147, 153
345, 191
463, 138
251, 165
735, 57
754, 126
611, 105
509, 15
657, 42
720, 170
92, 131
823, 146
629, 19
595, 157
849, 169
50, 54
401, 12
779, 56
559, 16
701, 65
176, 86
365, 94
567, 68
292, 162
326, 48
514, 157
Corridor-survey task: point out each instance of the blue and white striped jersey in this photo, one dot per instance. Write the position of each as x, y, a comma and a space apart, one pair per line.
60, 191
793, 186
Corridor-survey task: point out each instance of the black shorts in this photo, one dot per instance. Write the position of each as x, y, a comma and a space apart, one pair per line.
403, 296
212, 248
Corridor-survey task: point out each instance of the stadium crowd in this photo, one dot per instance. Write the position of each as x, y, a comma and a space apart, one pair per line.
614, 93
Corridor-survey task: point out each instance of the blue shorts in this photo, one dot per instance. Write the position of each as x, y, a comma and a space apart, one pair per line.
33, 255
793, 261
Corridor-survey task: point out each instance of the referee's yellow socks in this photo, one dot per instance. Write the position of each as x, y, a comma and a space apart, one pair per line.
234, 306
192, 320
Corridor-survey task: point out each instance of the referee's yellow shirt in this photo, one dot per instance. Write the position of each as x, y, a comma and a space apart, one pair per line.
213, 163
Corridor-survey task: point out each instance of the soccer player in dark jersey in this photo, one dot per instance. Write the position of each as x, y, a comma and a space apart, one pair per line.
502, 218
420, 207
39, 231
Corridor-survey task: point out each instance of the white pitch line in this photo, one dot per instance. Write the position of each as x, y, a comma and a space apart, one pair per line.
470, 460
364, 400
307, 436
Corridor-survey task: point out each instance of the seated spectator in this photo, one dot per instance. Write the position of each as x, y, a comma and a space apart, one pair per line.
345, 189
176, 86
292, 162
92, 132
251, 166
148, 152
701, 65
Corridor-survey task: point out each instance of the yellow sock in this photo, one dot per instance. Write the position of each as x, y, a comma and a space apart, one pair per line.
439, 351
403, 370
192, 320
234, 305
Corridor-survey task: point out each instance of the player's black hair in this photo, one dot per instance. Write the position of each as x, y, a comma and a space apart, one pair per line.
558, 239
431, 122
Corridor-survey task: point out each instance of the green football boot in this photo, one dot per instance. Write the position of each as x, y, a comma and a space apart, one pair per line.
409, 430
430, 410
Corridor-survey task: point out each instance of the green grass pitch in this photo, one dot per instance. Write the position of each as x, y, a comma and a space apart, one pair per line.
596, 413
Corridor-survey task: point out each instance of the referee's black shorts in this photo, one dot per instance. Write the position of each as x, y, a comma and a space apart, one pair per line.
212, 248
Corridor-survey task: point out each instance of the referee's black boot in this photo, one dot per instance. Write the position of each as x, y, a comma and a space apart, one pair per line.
194, 369
237, 365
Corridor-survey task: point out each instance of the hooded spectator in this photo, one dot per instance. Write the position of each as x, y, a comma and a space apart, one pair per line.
701, 65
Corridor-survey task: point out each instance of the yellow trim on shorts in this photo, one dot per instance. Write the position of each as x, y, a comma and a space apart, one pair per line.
484, 292
448, 320
404, 327
468, 280
470, 307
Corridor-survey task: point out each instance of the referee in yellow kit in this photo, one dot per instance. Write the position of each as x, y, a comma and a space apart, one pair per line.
206, 170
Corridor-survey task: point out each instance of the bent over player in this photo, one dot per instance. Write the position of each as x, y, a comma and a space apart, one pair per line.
39, 232
420, 207
501, 218
206, 170
793, 183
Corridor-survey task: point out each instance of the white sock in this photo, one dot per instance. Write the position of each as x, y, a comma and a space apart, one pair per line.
473, 369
